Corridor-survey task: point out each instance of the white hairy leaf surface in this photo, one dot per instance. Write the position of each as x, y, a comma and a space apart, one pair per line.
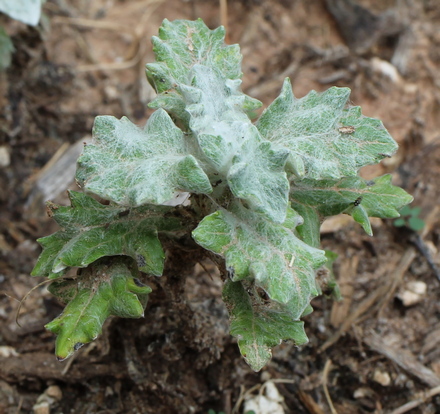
264, 253
27, 11
332, 141
132, 166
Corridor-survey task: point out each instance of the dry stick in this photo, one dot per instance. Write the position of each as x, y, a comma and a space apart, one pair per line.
242, 397
418, 401
327, 368
369, 301
26, 296
404, 358
423, 249
310, 404
20, 404
431, 219
224, 17
206, 270
397, 276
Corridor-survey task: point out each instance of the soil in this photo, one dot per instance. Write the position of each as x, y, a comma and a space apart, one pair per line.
374, 352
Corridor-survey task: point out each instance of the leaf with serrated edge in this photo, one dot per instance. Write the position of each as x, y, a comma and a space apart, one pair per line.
351, 195
91, 230
231, 144
103, 290
259, 326
269, 254
181, 45
332, 141
133, 166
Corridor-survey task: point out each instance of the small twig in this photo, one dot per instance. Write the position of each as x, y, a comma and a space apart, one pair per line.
224, 17
69, 364
404, 358
2, 292
310, 404
397, 276
417, 240
418, 401
206, 270
242, 397
327, 368
430, 220
17, 314
20, 404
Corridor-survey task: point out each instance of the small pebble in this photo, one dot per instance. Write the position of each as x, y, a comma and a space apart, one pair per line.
382, 378
5, 158
414, 293
55, 392
41, 408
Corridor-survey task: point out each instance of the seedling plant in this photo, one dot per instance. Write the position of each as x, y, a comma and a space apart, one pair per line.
258, 192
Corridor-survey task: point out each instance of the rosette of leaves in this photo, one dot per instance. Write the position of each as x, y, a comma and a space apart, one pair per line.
259, 192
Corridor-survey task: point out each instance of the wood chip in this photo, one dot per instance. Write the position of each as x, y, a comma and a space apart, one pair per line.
402, 357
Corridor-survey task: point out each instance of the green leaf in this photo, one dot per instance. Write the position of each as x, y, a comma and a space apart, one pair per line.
400, 222
181, 46
100, 291
231, 144
259, 325
133, 166
416, 223
6, 49
262, 184
27, 11
268, 254
333, 142
331, 287
351, 195
309, 231
91, 230
198, 76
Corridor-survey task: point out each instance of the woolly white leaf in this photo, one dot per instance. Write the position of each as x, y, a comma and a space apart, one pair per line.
333, 142
133, 166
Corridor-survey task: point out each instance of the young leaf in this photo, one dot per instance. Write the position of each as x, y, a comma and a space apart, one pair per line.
181, 45
258, 325
102, 290
351, 195
133, 166
268, 254
91, 230
333, 142
231, 144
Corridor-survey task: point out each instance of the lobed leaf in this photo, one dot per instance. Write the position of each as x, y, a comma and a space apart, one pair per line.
331, 141
231, 144
259, 325
91, 230
181, 46
265, 253
133, 166
351, 195
102, 290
